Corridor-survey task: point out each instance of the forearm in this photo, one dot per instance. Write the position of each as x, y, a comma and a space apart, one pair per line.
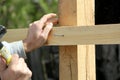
15, 47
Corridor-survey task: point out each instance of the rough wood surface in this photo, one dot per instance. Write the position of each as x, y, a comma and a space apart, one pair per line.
98, 34
77, 62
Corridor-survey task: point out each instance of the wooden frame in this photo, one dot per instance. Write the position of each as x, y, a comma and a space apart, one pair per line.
73, 35
77, 62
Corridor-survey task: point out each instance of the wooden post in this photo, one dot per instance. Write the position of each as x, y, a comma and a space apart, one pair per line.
77, 62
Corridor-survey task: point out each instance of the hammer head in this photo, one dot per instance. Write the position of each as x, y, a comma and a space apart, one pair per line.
2, 31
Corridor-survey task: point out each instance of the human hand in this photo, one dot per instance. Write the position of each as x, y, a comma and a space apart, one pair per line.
2, 64
38, 32
16, 70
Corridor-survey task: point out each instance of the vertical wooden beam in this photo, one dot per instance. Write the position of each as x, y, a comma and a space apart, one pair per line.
77, 62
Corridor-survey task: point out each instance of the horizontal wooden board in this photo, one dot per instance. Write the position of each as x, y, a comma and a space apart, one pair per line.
98, 34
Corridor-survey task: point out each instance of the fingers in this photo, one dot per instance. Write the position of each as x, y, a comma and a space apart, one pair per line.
47, 29
45, 19
38, 32
53, 20
26, 75
24, 72
17, 70
14, 59
2, 64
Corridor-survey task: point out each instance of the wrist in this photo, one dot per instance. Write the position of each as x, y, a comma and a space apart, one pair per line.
27, 45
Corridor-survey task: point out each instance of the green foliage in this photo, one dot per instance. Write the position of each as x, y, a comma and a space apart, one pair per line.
19, 13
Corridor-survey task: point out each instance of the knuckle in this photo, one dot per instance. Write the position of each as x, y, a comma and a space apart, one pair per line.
21, 60
13, 70
30, 73
42, 36
30, 24
34, 24
45, 16
27, 72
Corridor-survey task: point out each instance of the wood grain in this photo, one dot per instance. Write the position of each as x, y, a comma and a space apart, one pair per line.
76, 62
73, 35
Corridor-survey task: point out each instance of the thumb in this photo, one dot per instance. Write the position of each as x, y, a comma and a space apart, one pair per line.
2, 64
14, 59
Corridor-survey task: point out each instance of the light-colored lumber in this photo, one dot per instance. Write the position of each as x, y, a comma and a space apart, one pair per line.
77, 62
14, 35
104, 34
98, 34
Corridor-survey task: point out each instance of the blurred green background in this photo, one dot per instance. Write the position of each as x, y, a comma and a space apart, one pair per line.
19, 13
43, 62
